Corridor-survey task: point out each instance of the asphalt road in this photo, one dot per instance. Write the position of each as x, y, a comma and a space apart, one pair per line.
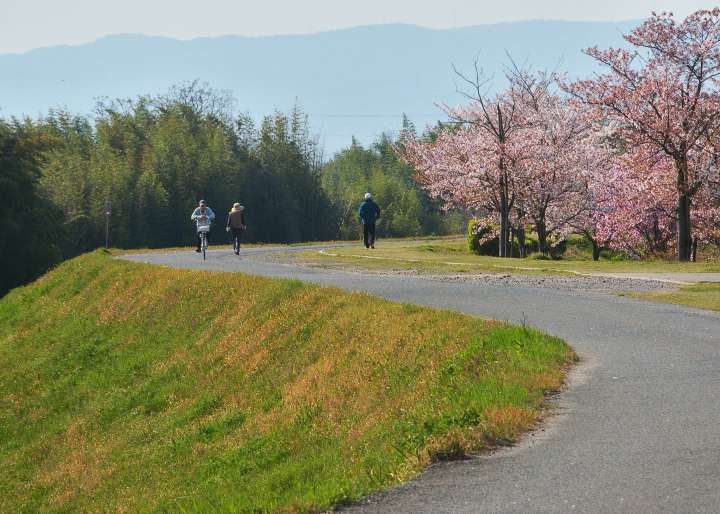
636, 430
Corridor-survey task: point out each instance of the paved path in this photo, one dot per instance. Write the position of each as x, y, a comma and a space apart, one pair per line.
638, 429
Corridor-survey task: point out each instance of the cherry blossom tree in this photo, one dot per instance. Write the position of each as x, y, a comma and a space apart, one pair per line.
522, 156
493, 141
564, 154
639, 200
662, 96
459, 167
594, 201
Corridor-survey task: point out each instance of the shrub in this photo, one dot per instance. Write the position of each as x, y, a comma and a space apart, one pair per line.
475, 232
537, 256
557, 250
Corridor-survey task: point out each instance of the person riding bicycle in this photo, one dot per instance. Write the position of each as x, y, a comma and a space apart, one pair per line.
202, 216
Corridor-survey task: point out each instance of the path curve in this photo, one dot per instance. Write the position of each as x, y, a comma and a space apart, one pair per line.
638, 430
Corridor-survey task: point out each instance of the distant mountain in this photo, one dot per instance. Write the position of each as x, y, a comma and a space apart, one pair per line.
354, 81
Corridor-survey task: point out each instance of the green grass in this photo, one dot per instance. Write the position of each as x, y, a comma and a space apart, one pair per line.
701, 296
452, 256
220, 242
127, 387
214, 245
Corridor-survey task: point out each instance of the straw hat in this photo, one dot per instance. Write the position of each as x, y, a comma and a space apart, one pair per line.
237, 207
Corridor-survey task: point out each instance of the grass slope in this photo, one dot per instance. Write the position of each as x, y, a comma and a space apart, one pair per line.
126, 387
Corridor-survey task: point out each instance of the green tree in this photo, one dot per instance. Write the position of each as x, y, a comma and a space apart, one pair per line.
406, 208
32, 225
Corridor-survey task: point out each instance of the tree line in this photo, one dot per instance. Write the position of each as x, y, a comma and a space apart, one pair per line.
629, 158
148, 161
139, 167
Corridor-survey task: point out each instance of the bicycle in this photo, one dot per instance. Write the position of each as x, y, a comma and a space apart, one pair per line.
203, 232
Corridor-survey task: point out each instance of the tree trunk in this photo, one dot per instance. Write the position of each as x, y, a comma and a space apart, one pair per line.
504, 222
542, 237
504, 211
684, 227
504, 225
508, 241
521, 241
595, 250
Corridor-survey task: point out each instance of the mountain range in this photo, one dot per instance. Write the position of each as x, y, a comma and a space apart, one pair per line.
352, 82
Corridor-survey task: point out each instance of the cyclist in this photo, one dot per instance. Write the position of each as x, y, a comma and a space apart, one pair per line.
202, 216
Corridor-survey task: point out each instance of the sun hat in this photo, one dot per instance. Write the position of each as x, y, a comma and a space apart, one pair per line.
368, 196
237, 207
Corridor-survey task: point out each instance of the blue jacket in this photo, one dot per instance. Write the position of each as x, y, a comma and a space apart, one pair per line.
195, 216
369, 212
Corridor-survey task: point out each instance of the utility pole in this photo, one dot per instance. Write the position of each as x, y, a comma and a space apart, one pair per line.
108, 212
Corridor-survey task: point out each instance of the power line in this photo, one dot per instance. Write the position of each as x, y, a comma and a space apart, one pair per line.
362, 115
409, 115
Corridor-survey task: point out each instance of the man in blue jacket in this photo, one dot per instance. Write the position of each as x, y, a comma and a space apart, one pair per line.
369, 213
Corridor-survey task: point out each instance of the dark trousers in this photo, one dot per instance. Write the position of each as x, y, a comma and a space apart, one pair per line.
369, 234
207, 235
236, 236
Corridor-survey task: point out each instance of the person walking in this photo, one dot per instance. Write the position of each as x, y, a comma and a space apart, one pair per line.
203, 217
369, 213
236, 225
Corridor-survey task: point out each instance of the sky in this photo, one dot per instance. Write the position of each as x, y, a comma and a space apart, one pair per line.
28, 24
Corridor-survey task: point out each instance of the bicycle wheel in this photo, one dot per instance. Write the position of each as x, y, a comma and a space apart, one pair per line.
204, 244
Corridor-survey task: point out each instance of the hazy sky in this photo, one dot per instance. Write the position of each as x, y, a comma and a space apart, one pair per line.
27, 24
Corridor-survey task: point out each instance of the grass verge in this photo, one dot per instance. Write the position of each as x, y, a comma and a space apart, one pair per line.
128, 387
452, 256
228, 245
218, 246
702, 296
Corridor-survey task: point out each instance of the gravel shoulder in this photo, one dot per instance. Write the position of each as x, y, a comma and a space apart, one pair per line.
569, 282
